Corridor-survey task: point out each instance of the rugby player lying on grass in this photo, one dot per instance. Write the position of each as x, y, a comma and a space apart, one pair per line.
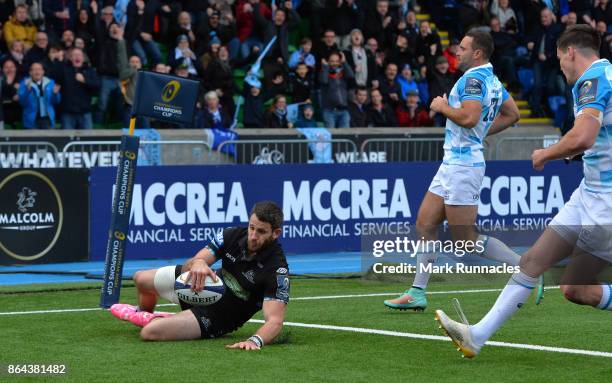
254, 271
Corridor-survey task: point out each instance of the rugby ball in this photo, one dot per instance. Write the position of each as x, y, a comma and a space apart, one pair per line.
210, 294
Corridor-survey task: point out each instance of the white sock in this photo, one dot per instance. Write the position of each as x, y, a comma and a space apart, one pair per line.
496, 250
509, 301
606, 298
421, 277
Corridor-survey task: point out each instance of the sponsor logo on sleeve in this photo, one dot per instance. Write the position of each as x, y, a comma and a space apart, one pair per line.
473, 86
587, 92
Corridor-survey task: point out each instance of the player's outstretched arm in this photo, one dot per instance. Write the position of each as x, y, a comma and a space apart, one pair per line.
508, 115
580, 138
274, 316
466, 116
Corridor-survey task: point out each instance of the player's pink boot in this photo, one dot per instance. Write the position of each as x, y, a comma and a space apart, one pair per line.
123, 310
142, 318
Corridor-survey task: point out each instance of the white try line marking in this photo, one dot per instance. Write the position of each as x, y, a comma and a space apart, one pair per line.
389, 294
362, 330
320, 297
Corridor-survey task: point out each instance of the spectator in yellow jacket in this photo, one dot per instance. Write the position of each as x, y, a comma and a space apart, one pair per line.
19, 27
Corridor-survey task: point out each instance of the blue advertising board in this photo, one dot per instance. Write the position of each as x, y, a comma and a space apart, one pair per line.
176, 210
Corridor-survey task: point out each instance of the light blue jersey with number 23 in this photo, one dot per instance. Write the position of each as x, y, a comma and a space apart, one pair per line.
463, 146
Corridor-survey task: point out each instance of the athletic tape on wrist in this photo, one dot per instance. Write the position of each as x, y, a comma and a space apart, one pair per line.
257, 340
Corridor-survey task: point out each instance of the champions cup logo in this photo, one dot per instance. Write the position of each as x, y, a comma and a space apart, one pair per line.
31, 215
130, 155
170, 90
119, 235
586, 86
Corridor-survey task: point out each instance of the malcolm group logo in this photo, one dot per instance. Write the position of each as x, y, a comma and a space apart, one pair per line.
31, 215
26, 199
170, 90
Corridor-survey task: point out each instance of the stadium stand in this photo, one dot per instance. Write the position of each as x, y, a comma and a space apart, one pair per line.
217, 41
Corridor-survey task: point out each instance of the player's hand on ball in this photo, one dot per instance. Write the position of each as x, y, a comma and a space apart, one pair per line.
197, 274
538, 159
246, 345
438, 103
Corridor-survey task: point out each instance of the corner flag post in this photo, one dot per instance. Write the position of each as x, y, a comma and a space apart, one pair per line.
120, 219
162, 97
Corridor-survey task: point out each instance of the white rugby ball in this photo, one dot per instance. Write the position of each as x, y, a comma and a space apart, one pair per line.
212, 292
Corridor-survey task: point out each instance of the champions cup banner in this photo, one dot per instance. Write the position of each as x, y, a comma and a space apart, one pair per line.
177, 209
119, 221
43, 216
164, 97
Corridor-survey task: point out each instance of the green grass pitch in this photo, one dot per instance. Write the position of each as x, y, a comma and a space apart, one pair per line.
96, 347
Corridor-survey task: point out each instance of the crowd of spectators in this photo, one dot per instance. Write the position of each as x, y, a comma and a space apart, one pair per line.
346, 63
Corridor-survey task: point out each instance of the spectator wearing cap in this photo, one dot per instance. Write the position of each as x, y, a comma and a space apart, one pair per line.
19, 27
451, 55
379, 114
207, 57
361, 61
38, 96
441, 82
215, 116
406, 81
253, 116
334, 79
180, 69
410, 114
79, 84
358, 109
212, 27
276, 116
182, 52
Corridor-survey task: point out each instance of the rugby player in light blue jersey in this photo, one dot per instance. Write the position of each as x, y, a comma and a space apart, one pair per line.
582, 228
478, 105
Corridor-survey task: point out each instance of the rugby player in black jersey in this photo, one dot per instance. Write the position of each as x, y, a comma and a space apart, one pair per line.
253, 269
